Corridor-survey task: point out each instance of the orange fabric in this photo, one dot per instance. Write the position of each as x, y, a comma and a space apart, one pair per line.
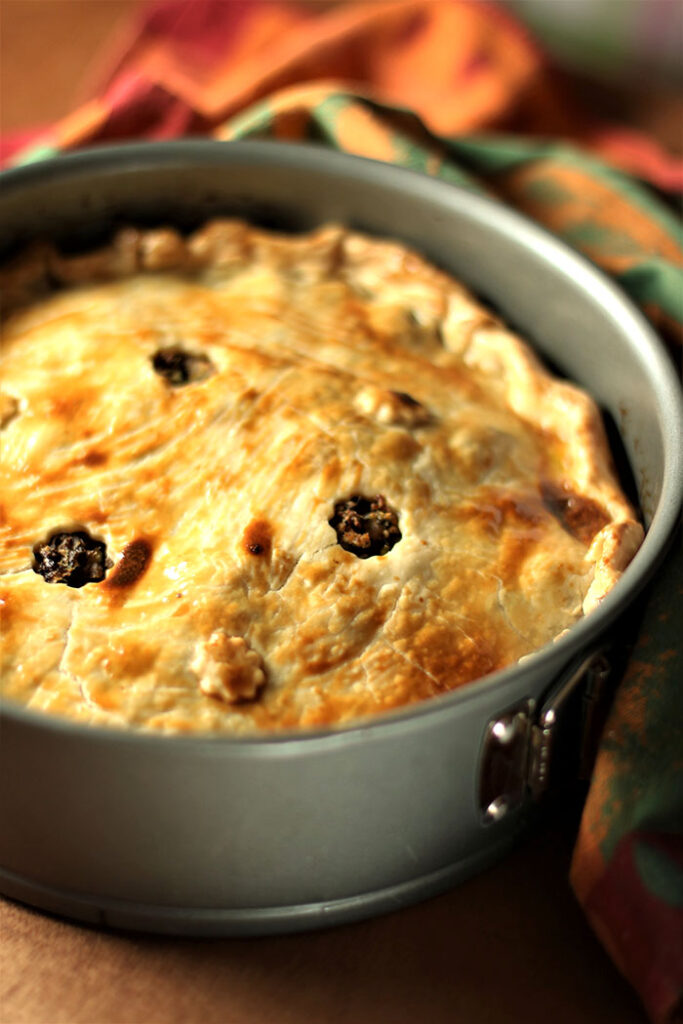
587, 201
412, 52
462, 65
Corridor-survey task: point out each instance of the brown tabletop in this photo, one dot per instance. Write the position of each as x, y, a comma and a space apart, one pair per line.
509, 946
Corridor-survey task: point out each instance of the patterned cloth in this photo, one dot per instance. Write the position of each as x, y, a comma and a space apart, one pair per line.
460, 91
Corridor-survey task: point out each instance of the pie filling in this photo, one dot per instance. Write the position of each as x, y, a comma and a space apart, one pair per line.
253, 482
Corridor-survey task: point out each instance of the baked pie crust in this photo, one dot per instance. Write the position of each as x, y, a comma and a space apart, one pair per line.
246, 421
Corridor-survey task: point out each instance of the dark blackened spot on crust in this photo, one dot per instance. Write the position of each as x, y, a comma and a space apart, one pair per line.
74, 558
179, 367
9, 409
407, 400
365, 526
172, 365
6, 610
579, 516
258, 538
133, 563
94, 458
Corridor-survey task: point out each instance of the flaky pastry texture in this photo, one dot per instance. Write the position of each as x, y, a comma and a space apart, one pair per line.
254, 482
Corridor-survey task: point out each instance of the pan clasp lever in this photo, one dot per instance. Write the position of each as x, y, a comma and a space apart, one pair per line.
519, 744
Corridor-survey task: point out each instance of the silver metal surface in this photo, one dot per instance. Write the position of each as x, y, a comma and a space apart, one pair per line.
215, 835
543, 732
518, 745
505, 761
208, 921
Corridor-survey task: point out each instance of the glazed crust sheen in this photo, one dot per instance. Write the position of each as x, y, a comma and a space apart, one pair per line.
208, 408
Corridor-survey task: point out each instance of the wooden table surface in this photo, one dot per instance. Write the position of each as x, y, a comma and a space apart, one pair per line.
509, 947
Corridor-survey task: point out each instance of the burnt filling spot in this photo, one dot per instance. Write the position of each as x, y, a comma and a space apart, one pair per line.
258, 538
73, 558
407, 400
365, 526
579, 516
9, 409
179, 367
94, 458
133, 563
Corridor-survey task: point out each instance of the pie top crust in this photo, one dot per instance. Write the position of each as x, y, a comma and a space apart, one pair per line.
221, 412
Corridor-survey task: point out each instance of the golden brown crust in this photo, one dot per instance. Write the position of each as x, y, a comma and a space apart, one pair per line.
206, 406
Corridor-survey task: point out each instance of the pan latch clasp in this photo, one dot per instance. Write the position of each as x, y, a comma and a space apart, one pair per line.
520, 744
